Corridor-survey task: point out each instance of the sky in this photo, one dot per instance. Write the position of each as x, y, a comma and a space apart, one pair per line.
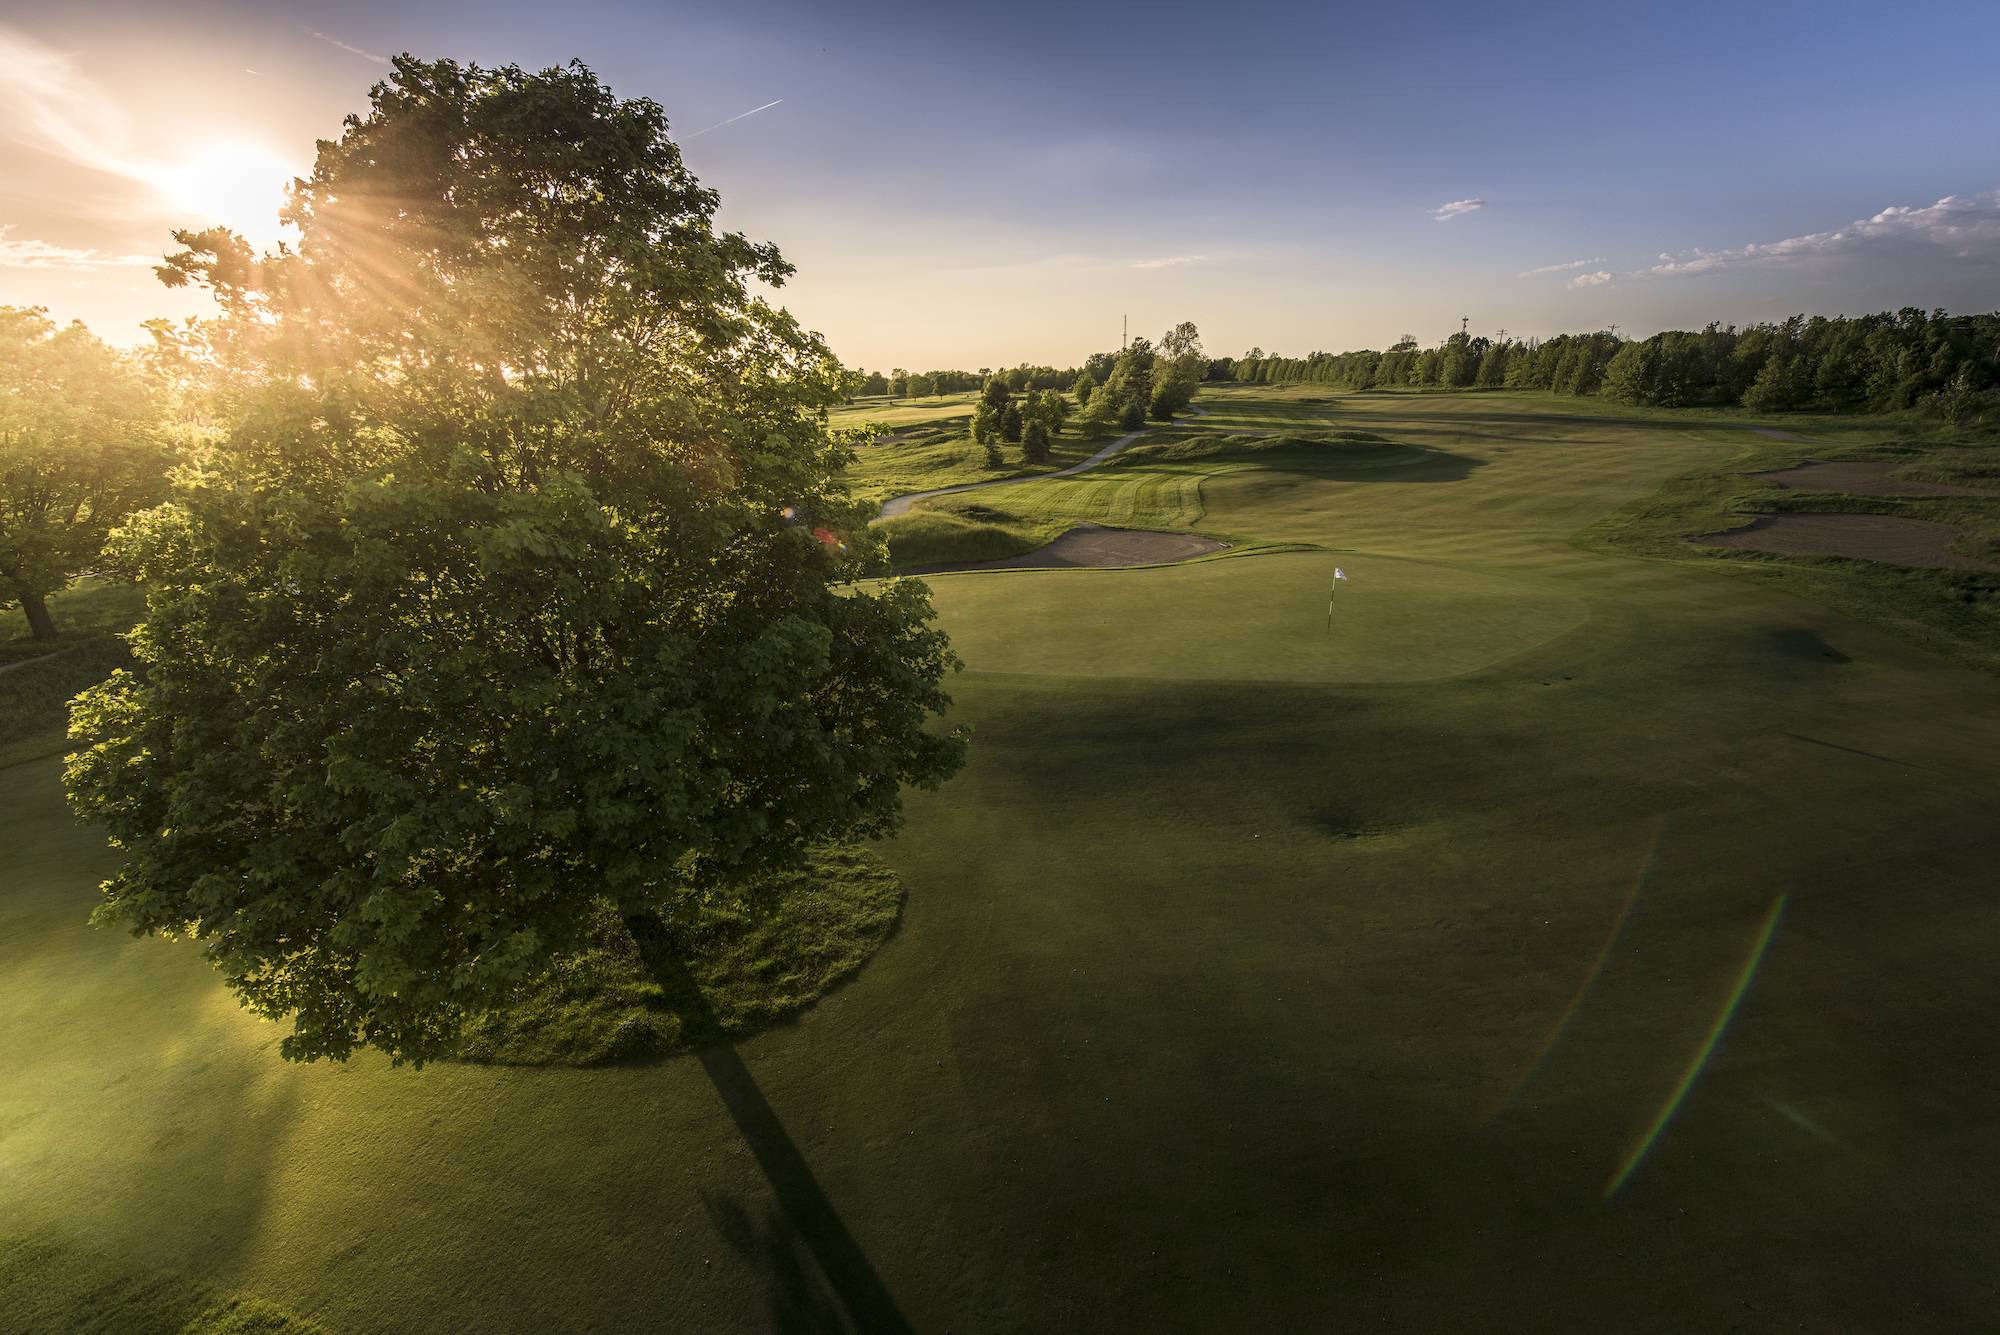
974, 186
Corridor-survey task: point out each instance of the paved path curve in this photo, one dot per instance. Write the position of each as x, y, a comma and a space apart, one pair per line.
900, 505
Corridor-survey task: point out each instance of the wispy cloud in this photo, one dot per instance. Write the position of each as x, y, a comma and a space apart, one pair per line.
1169, 262
347, 47
1967, 226
41, 255
1458, 208
733, 119
48, 104
1565, 267
1598, 279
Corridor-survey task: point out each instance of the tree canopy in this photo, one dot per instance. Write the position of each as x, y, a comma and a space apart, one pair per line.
520, 577
81, 447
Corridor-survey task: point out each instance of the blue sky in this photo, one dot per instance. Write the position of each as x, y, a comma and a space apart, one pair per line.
981, 185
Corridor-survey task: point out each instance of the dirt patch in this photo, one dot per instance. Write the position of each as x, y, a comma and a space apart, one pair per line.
1096, 546
1857, 478
1903, 542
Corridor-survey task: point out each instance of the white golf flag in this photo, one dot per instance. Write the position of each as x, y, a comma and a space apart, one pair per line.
1338, 573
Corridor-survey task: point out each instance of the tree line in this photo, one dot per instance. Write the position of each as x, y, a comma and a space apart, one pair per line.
1931, 361
925, 384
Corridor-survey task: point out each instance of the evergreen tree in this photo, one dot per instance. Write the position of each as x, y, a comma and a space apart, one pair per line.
1035, 441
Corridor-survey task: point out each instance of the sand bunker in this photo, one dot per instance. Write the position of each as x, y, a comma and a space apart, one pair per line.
1903, 542
1860, 479
1093, 545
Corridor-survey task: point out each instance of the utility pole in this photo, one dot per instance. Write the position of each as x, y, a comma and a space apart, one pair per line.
1613, 331
1463, 321
1124, 332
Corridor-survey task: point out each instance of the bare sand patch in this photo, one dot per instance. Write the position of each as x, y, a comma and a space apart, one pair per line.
1886, 538
1860, 478
1096, 546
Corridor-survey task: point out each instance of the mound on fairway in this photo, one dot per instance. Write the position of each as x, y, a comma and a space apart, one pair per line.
1255, 618
745, 967
1886, 538
1330, 452
1094, 545
1859, 478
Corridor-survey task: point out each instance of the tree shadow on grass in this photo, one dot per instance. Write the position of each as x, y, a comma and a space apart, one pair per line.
804, 1211
798, 1298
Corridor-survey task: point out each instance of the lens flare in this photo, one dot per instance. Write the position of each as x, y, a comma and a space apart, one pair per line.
1583, 990
1702, 1054
239, 186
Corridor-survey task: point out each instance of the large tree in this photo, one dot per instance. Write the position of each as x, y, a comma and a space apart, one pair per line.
520, 579
81, 447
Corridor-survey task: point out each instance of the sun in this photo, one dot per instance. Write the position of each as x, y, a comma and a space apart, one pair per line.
238, 186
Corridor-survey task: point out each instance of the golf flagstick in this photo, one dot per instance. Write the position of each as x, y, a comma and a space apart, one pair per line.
1338, 575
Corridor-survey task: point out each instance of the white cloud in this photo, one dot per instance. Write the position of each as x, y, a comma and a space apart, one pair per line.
1968, 226
1564, 267
1458, 208
42, 255
1598, 279
1169, 262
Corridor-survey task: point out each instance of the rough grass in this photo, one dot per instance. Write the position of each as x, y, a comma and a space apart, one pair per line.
47, 1287
35, 694
754, 965
947, 457
1332, 447
940, 533
1955, 613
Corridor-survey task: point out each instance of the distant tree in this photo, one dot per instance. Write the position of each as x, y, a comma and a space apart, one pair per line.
1180, 347
1493, 367
985, 424
994, 459
520, 579
1083, 388
1035, 441
1132, 415
874, 383
1050, 409
82, 446
1170, 396
995, 393
1780, 386
899, 383
1010, 422
1099, 416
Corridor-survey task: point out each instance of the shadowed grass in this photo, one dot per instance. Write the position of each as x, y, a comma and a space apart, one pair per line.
754, 964
35, 694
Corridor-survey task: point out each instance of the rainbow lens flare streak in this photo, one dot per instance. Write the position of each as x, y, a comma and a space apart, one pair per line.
1702, 1054
1583, 990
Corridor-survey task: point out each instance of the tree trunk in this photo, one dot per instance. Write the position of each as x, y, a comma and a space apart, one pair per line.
40, 624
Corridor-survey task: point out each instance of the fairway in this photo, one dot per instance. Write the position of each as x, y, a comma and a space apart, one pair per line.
1559, 940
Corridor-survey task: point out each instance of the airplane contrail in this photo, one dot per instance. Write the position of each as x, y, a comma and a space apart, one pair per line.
733, 119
